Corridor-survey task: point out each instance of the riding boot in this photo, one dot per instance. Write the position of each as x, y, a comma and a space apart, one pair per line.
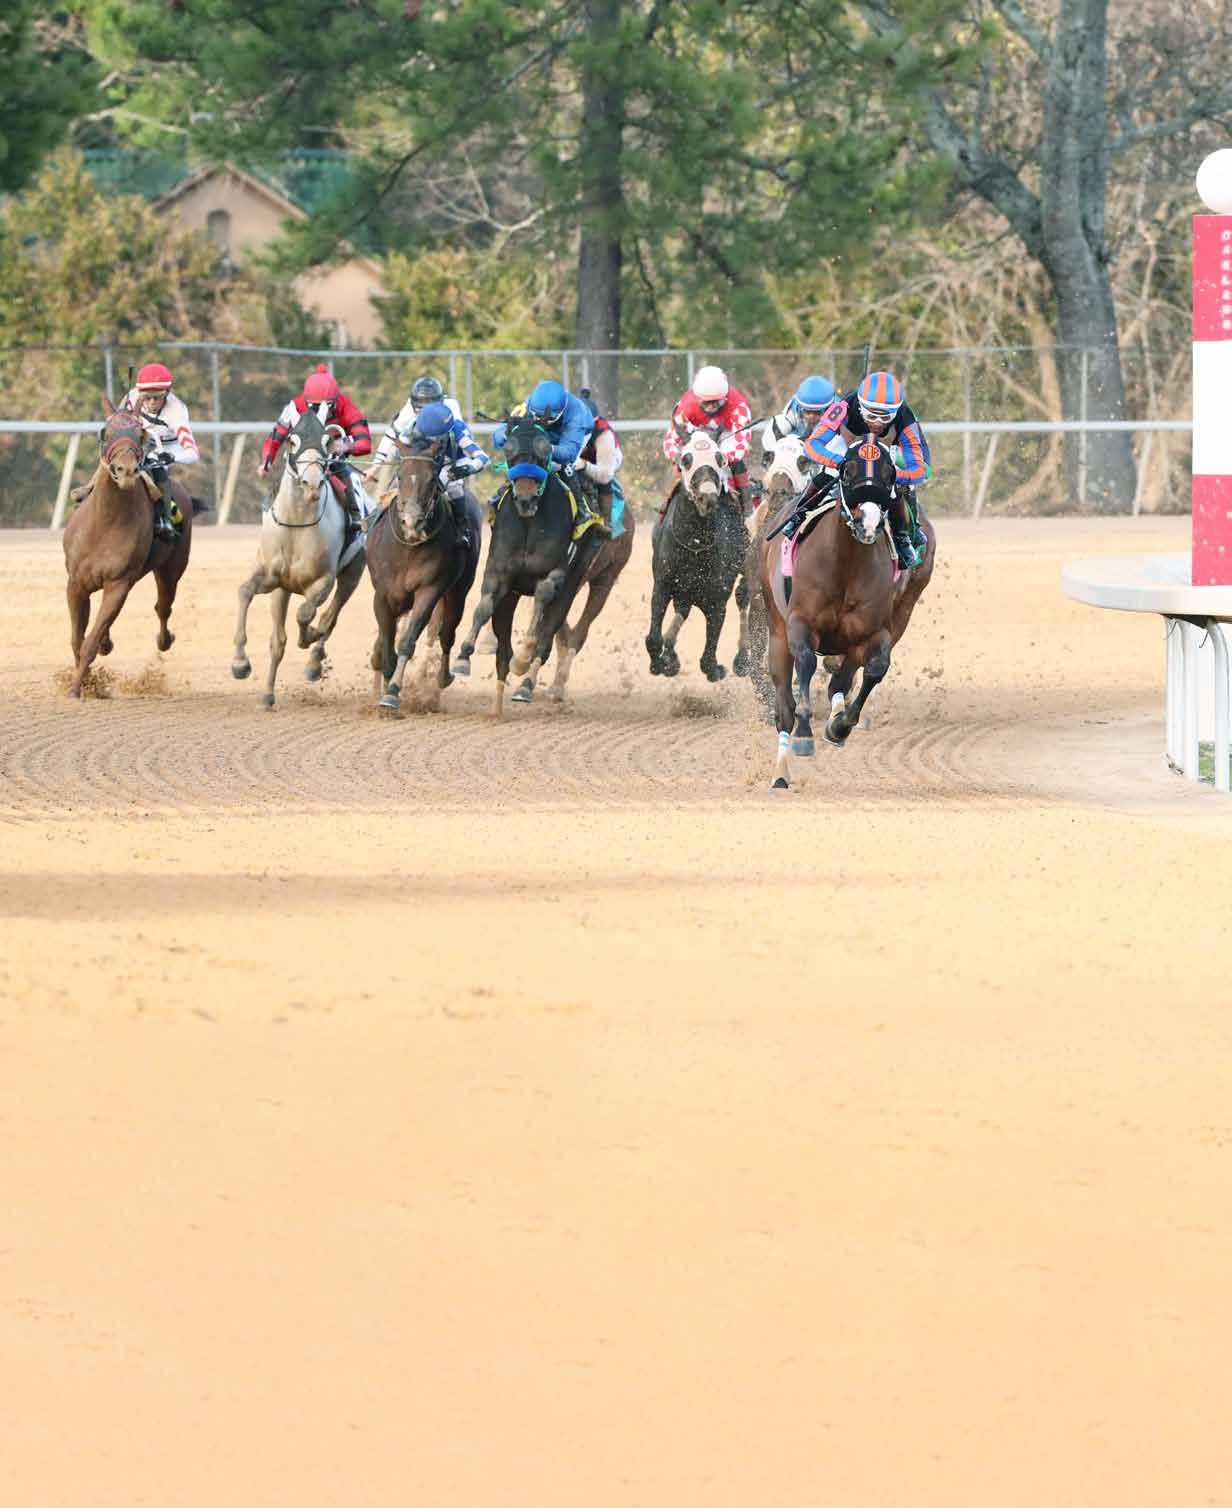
461, 521
918, 538
900, 529
585, 513
163, 527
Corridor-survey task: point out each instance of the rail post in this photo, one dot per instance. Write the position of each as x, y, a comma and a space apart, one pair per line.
1223, 730
216, 392
233, 476
66, 480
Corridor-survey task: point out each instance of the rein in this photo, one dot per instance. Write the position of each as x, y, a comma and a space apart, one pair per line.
436, 512
323, 497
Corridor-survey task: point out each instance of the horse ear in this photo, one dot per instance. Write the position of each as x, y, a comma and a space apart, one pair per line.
109, 408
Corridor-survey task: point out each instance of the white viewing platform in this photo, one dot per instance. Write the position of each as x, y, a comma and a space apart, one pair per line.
1197, 697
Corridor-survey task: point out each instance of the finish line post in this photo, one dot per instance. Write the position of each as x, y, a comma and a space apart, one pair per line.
1212, 375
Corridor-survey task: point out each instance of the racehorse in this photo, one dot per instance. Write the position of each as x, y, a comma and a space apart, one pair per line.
601, 576
697, 551
418, 565
109, 542
846, 596
530, 553
301, 551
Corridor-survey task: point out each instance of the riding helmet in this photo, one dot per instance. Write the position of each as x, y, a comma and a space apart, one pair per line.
710, 385
548, 401
880, 395
432, 422
425, 390
321, 387
814, 393
153, 378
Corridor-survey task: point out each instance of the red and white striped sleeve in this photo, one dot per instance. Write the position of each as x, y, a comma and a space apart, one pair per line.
671, 440
735, 444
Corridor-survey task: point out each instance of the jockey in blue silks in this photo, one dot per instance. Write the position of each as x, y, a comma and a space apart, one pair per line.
567, 421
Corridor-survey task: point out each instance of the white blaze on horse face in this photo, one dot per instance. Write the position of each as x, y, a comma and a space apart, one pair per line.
870, 520
701, 466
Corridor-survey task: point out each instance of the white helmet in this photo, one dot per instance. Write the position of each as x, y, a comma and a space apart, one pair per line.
710, 385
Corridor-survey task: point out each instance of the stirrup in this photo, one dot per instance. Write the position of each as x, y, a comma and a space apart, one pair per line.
908, 557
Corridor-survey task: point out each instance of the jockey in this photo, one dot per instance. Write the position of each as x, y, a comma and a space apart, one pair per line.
878, 407
568, 422
712, 404
322, 392
424, 390
169, 437
599, 461
801, 416
435, 429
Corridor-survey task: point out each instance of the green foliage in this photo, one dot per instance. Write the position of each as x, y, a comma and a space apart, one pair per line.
46, 82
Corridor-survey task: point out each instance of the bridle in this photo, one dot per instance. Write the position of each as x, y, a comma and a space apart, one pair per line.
435, 510
295, 454
127, 439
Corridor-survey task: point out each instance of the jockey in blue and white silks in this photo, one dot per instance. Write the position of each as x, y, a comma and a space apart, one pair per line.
425, 391
567, 421
438, 433
804, 412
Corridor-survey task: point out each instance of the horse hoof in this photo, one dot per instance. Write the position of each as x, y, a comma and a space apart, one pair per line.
671, 663
461, 667
444, 679
804, 747
312, 672
837, 732
740, 665
241, 669
554, 694
656, 667
716, 672
268, 699
106, 646
165, 641
780, 784
832, 664
75, 693
524, 693
390, 701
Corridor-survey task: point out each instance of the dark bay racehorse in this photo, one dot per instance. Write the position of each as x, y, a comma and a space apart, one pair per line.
606, 564
697, 552
846, 598
530, 554
417, 564
109, 543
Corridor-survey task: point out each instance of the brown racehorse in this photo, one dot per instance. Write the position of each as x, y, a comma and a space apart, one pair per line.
109, 543
846, 598
416, 562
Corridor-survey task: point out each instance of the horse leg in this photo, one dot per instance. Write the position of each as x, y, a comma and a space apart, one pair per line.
425, 606
876, 664
314, 596
493, 592
280, 601
502, 627
241, 666
346, 584
715, 614
781, 667
383, 657
570, 641
451, 615
78, 616
740, 665
115, 594
165, 585
802, 642
530, 649
671, 660
659, 599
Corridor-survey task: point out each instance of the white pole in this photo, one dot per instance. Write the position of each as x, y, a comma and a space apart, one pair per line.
982, 490
66, 481
1144, 462
233, 476
1172, 718
1223, 727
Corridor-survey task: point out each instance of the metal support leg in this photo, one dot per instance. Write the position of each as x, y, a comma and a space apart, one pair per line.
1190, 641
1223, 730
66, 480
1172, 716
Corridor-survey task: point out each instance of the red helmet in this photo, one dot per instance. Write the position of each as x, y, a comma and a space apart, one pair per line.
153, 378
321, 387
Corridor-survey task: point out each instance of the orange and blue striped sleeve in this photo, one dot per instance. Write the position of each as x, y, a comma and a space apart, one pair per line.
914, 447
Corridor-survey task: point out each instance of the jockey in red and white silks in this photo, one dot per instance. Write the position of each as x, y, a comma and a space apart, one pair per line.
713, 405
168, 436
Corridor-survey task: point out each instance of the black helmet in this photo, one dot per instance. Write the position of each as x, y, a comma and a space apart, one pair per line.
425, 390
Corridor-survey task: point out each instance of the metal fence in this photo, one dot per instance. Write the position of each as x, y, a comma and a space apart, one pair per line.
964, 394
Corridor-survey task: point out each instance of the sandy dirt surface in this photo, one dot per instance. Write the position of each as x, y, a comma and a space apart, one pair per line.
545, 1114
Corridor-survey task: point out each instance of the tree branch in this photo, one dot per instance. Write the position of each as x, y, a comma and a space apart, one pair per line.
1206, 107
987, 175
1016, 18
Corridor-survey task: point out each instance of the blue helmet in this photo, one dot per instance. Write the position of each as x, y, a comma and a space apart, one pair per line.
814, 392
433, 422
548, 401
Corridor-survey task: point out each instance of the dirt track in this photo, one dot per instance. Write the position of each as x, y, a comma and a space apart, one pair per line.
546, 1114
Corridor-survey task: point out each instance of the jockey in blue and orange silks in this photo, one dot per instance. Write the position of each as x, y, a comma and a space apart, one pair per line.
878, 408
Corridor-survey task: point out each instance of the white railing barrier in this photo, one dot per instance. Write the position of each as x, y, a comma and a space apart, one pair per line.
239, 430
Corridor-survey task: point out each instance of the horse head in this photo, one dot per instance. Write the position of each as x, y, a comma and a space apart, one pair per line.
788, 471
866, 487
528, 455
122, 444
703, 471
307, 448
419, 493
